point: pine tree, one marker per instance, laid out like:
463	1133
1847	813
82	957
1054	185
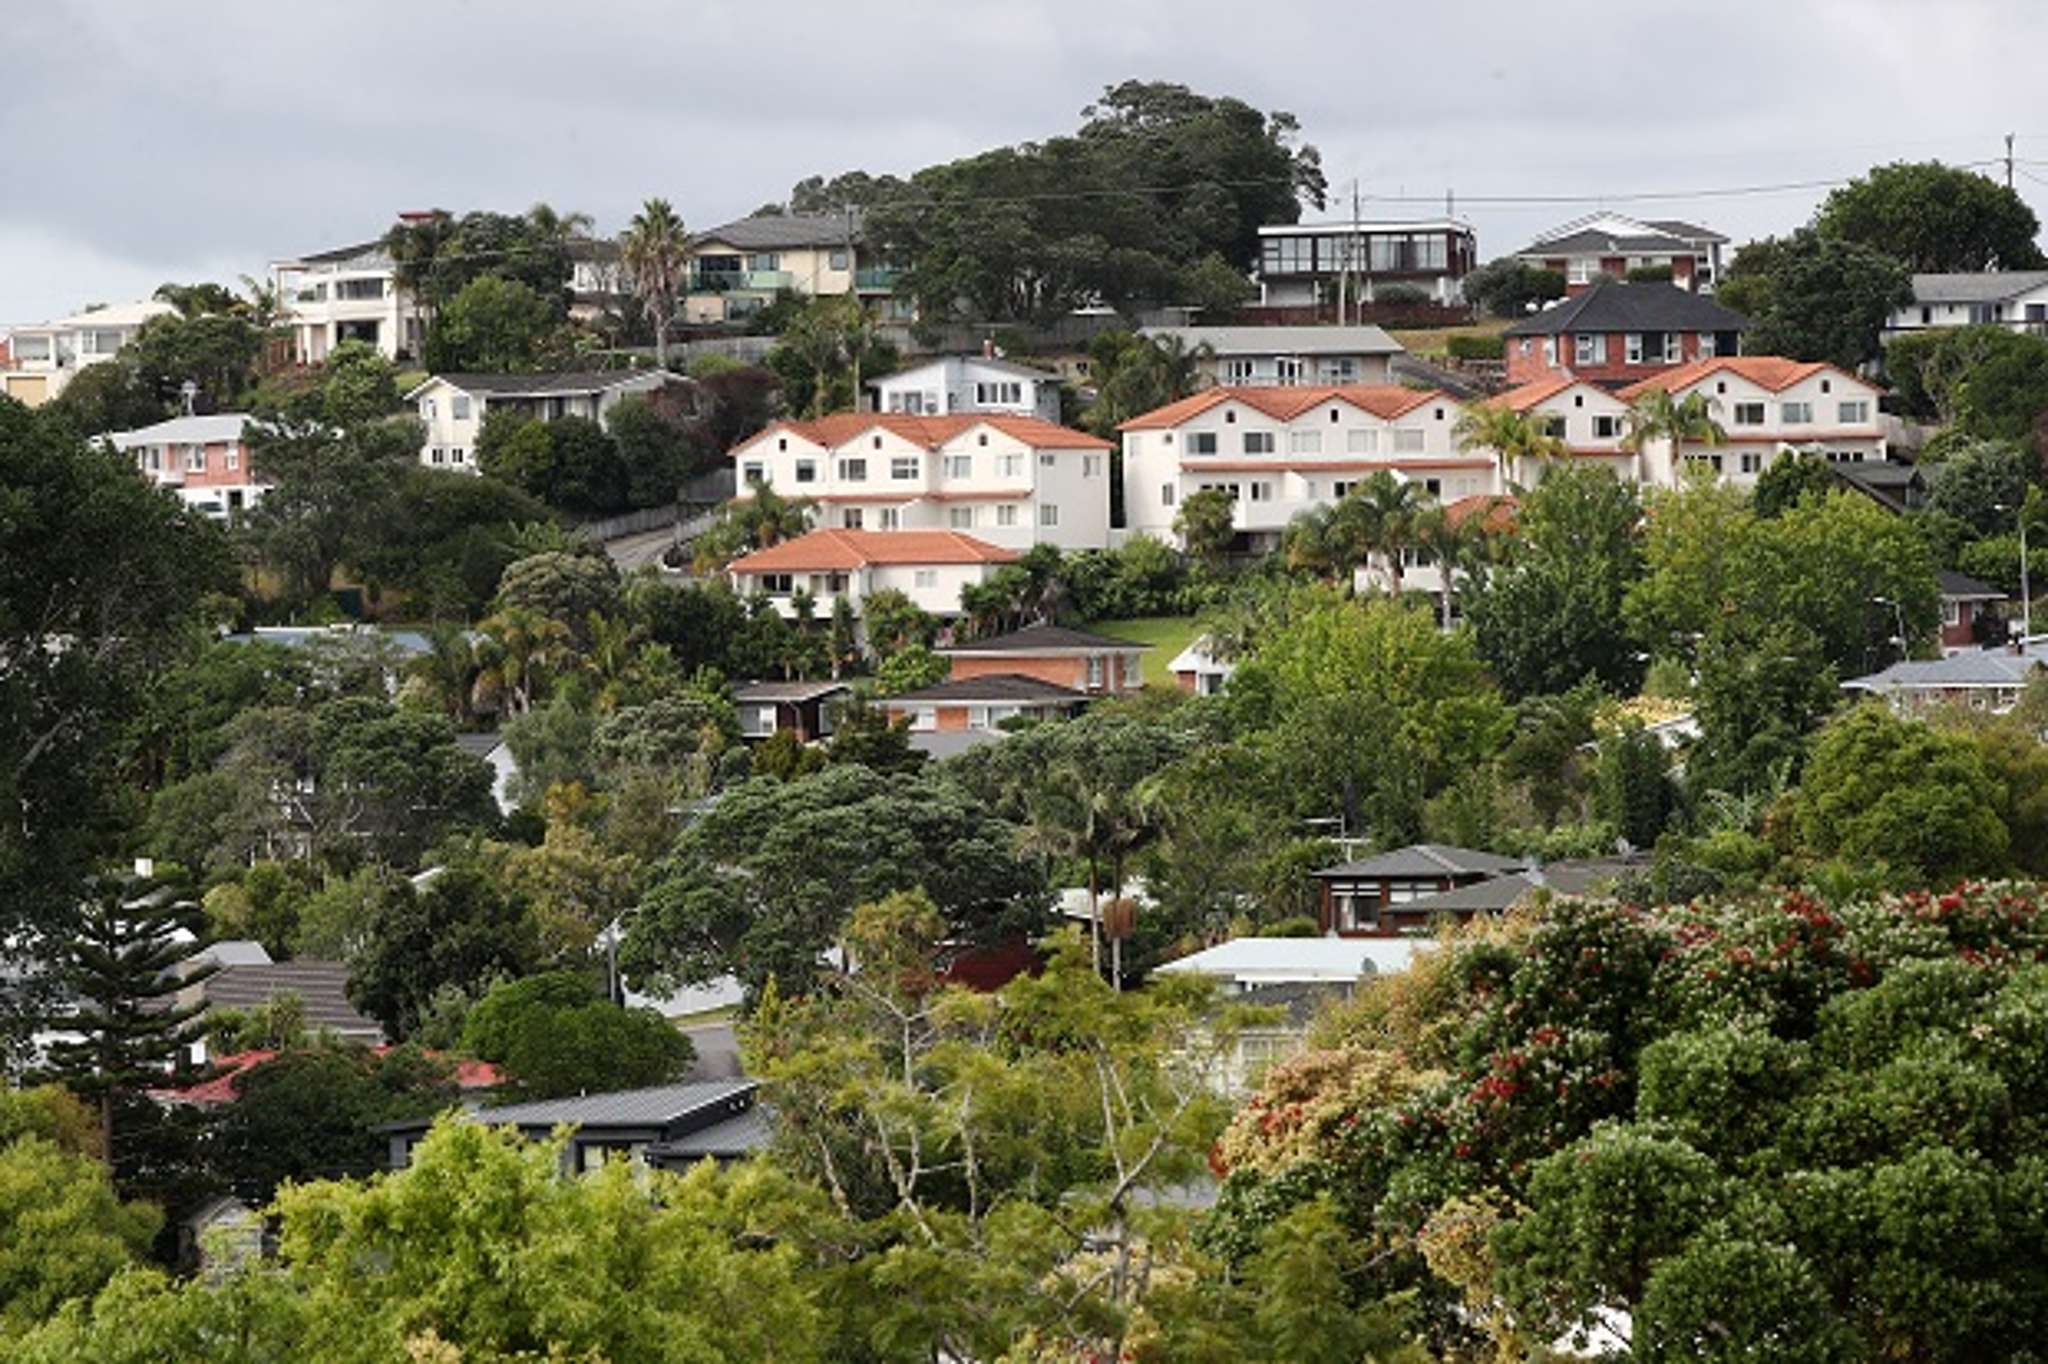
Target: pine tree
122	974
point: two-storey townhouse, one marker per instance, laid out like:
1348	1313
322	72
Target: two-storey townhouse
205	460
1281	451
1768	406
931	567
1013	481
452	407
970	383
1607	246
1301	264
2014	299
1078	660
1619	333
347	294
1590	420
43	358
1244	357
737	269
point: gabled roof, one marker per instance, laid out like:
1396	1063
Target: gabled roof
1492	511
759	692
823	551
1428	859
221	426
1961	587
568	384
1772	372
322	986
1044	639
1386	401
995	688
1506	891
1608	232
1611	306
931	433
1367	340
1983	668
113	315
655	1106
1984	286
781	231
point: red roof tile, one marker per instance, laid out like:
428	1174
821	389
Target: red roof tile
1385	401
1491	512
1773	372
840	550
837	428
1528	395
226	1083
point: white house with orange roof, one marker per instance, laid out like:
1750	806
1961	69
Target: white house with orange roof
1769	406
1013	481
1280	450
1591	421
931	567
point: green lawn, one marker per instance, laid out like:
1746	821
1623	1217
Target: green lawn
1167	635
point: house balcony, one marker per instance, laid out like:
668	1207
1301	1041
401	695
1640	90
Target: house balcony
876	280
736	281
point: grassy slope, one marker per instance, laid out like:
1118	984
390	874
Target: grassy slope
1167	635
1434	340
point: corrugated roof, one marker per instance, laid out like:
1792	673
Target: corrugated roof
1043	639
322	986
1386	401
1615	307
824	551
838	428
758	692
1984	668
656	1106
570	383
733	1139
995	688
1985	286
1963	587
1276	959
1285	340
221	426
1428	859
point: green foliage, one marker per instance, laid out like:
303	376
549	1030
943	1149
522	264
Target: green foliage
554	1036
1510	288
332	491
1476	346
490	326
1933	219
896	623
1215	288
1790	479
825	352
909	668
1815	296
307	1114
215	351
867	734
63	1231
1980	483
1134	374
1990	382
566	588
1881	791
450	538
1206	524
1633	791
460	928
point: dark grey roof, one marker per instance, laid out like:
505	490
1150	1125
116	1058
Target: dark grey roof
322	986
1428	859
1615	307
1500	893
478	745
1044	639
1689	231
786	691
657	1106
732	1139
1985	668
538	385
941	744
1987	286
772	232
1591	239
1962	587
996	687
1889	483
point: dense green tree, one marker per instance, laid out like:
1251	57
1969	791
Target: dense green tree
1790	479
867	734
450	539
1550	615
1762	688
1813	296
331	494
655	448
63	1231
555	1035
826	353
562	587
109	396
761	884
1135	374
490	326
101	579
215	352
461	928
1206	524
1511	288
1933	218
757	518
1633	789
357	384
1979	482
308	1114
1989	382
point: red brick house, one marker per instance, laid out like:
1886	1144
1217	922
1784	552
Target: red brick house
983	703
1964	601
1074	659
1615	334
1609	245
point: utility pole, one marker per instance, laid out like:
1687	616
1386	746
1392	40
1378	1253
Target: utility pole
2008	160
1352	247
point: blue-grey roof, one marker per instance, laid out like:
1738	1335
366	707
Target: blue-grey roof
657	1106
1428	859
410	642
1983	668
734	1138
1983	286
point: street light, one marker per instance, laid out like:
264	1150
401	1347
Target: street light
1898	613
2026	592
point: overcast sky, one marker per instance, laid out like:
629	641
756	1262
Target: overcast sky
144	141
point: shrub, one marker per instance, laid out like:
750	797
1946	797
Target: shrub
1476	346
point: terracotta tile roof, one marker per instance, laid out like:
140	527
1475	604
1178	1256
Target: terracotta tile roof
840	550
835	429
1772	372
1313	466
1492	513
1385	401
1528	395
225	1085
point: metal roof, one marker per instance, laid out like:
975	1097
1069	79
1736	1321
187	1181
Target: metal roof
1963	587
786	691
1612	306
1984	668
1499	893
221	426
732	1139
1984	286
1428	859
1044	639
656	1106
540	385
1275	960
1285	340
996	688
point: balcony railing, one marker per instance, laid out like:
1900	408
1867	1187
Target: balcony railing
728	281
879	279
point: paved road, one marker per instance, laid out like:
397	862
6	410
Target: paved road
634	550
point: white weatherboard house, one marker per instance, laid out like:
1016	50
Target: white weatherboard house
43	359
1011	481
2014	299
970	383
452	407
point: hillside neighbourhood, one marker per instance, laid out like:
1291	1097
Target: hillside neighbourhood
994	765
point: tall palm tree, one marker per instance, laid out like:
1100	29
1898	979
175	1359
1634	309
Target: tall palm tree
561	228
521	647
1515	438
1377	517
1450	543
1657	416
1312	541
656	253
415	245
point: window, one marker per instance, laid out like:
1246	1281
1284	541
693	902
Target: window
1201	442
1287	369
1853	410
1338	490
234	458
426	409
1606	428
1752	461
925	577
1305	442
1553	425
153	459
1342	370
1407	442
1581	271
1091	466
753	471
1006	514
888	518
1549	350
1795	414
1166	494
959	466
1589	350
1258	442
924	718
837	259
1230	419
1749	414
1048	514
1239	370
1096	671
903	466
960	518
1286	255
1827	386
458	455
32	348
458	407
1706	345
437	456
1362	442
807	471
1433	486
1262	492
1007	392
1048	461
1011	466
195	459
776	584
766	260
1714	461
853	470
851	518
1632	348
358	288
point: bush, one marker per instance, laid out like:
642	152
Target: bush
1650	274
1476	346
1395	295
